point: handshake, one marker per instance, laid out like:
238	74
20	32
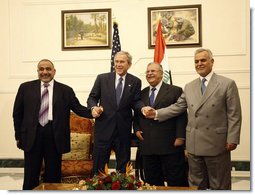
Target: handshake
149	112
97	111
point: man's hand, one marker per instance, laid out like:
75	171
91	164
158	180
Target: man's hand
148	112
139	135
97	111
18	144
178	142
231	147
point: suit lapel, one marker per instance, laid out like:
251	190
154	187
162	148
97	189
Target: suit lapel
126	91
162	91
111	87
145	96
55	92
38	94
212	86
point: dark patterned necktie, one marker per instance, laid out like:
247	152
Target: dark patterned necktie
119	90
152	96
44	109
203	87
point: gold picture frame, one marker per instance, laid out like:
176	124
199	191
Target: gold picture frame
181	25
86	29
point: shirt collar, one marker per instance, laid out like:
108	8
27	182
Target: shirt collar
51	83
157	86
118	76
207	77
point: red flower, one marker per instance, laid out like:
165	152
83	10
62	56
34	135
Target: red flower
130	186
116	185
99	187
88	179
108	179
138	184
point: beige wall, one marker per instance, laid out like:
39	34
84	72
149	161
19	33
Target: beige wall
31	30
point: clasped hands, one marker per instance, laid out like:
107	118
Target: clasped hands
148	112
97	111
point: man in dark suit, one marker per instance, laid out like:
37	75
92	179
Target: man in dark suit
48	137
162	144
114	94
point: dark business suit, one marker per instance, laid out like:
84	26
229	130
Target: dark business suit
54	137
113	127
162	160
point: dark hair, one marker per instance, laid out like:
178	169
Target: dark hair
45	60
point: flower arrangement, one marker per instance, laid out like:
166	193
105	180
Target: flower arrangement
112	181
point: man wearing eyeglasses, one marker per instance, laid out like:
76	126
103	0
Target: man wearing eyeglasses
162	144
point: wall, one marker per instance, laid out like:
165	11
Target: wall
31	30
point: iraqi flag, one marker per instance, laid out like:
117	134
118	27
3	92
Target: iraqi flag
160	55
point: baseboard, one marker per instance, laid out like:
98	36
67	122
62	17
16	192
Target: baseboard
5	163
11	163
236	165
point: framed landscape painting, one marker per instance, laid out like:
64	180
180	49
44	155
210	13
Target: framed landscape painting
86	29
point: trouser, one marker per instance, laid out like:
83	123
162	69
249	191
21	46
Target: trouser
45	149
210	172
102	152
170	168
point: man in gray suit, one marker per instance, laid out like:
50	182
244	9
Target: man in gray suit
214	123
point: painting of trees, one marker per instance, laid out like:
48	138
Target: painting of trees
86	28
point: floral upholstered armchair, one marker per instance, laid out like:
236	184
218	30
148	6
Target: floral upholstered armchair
78	163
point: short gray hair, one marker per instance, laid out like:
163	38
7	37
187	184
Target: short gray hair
210	55
125	53
160	66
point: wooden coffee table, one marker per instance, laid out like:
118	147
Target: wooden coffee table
56	186
65	186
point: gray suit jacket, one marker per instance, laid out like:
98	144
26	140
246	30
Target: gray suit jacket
214	119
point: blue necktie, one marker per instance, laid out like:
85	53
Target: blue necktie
152	96
119	90
203	87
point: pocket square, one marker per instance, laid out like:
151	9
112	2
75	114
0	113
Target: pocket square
129	85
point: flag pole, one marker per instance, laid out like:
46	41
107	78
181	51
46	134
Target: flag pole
170	76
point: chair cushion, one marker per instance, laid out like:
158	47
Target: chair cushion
76	167
79	124
80	147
